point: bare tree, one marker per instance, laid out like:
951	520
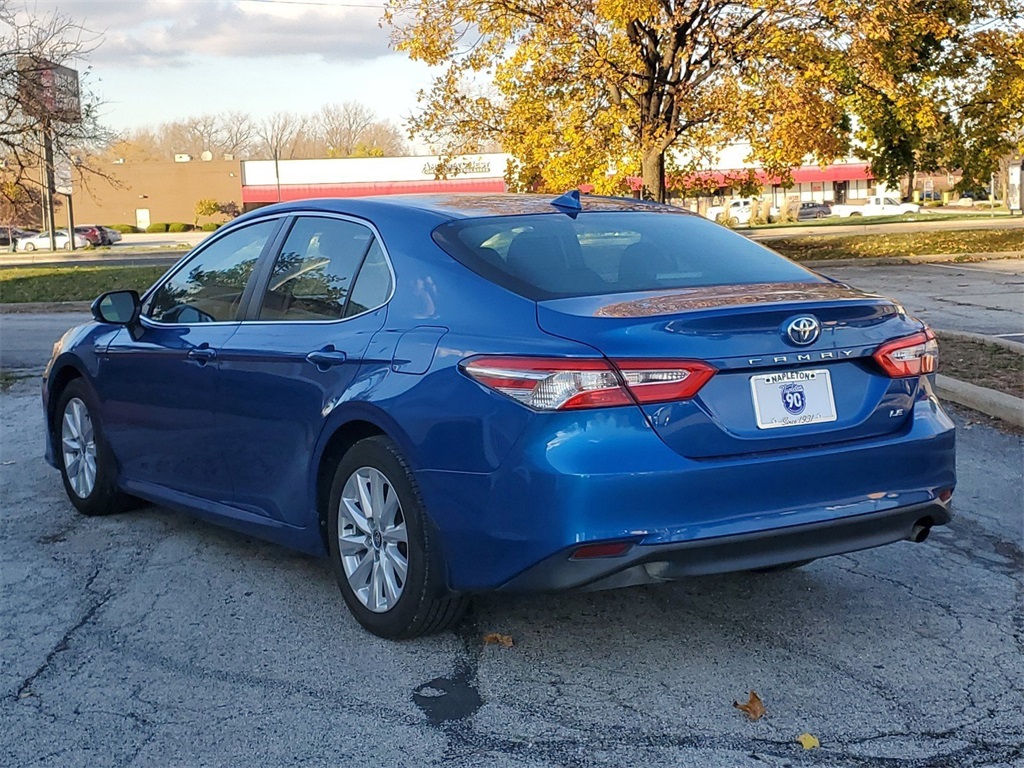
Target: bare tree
381	139
29	45
342	126
237	133
278	135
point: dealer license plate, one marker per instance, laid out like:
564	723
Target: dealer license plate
792	398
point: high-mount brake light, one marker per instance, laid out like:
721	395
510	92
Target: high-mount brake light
558	384
910	356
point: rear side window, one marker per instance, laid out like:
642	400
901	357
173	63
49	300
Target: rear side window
554	256
209	287
373	284
316	269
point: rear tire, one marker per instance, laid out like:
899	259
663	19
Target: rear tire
384	555
87	465
30	246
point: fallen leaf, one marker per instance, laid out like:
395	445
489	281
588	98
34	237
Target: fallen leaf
496	638
754	708
807	741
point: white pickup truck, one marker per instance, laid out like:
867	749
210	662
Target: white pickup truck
877	205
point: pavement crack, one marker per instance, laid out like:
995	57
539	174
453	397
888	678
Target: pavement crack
25	689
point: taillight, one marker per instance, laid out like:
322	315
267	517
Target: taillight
910	356
659	381
555	384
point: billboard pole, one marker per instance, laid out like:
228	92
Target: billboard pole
48	185
71	224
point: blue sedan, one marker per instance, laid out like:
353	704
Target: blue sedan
456	394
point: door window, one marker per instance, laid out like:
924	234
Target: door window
314	273
209	287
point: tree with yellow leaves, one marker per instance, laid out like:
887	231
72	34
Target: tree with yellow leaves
598	90
594	91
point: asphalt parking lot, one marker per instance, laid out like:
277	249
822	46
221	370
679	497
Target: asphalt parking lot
983	297
151	639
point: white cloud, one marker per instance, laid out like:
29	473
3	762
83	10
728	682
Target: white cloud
155	33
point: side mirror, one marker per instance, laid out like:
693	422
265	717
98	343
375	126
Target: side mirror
118	307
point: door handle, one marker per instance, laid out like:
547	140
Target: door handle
202	354
325	358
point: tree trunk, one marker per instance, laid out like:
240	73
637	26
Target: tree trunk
652	168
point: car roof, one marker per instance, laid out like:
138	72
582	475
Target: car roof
465	206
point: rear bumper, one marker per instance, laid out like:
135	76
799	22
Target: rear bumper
577	479
647	564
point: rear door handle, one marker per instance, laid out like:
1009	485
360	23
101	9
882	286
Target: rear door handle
325	358
202	354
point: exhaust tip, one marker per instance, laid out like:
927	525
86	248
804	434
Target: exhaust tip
920	530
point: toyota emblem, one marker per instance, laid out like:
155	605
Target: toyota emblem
803	330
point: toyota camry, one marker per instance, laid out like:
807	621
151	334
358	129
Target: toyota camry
449	395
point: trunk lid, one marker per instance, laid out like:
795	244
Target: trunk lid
742	331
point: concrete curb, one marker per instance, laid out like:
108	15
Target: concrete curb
90	258
990	402
1014	346
45	307
935	258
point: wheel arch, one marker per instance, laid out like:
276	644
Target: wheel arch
59	381
357	424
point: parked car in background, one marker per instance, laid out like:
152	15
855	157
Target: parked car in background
876	205
737	212
41	241
15	233
110	236
810	210
454	394
90	232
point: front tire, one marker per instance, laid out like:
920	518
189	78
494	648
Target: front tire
385	559
30	247
87	465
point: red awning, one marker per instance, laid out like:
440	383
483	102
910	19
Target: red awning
267	193
806	174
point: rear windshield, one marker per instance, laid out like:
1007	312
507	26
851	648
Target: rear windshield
550	256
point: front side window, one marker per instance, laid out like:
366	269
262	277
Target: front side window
314	272
209	287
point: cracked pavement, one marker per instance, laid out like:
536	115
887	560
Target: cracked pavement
152	639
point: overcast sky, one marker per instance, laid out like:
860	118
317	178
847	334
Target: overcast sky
165	59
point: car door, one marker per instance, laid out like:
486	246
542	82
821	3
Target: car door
160	381
315	308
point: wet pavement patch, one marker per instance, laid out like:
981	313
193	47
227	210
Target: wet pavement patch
444	700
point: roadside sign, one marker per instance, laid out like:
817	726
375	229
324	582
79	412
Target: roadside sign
62	183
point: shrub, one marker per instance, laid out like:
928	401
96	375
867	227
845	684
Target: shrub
157	227
179	226
124	229
931	204
211	226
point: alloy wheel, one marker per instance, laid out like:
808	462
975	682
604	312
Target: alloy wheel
373	542
78	444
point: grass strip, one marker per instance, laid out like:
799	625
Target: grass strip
986	365
77	283
835	221
899	244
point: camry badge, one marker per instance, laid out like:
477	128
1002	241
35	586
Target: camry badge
803	330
